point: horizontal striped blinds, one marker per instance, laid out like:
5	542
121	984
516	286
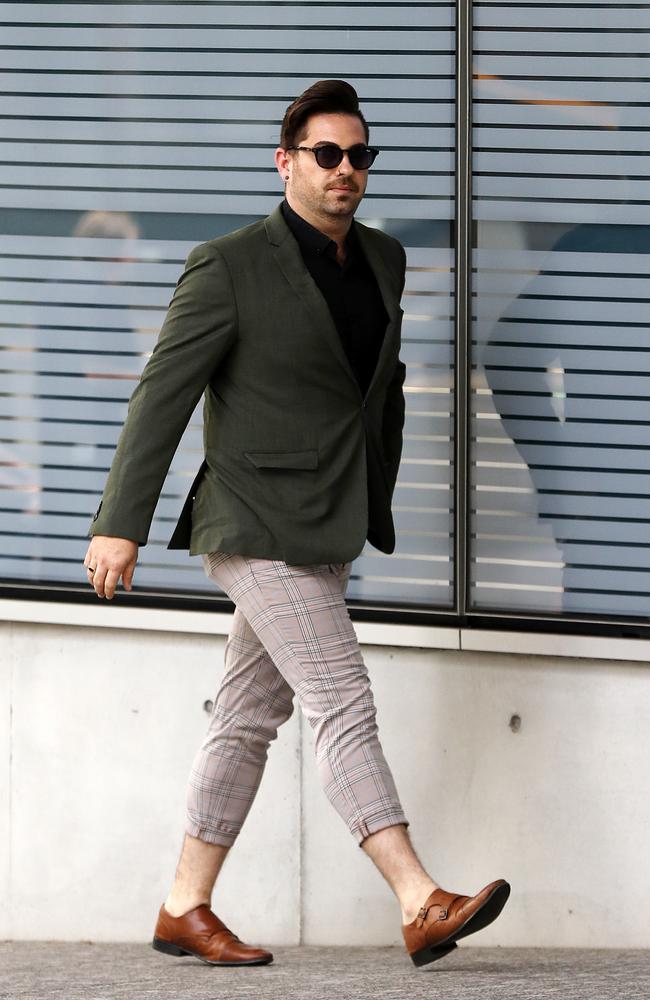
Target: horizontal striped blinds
131	132
560	406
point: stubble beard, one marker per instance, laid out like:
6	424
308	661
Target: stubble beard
322	204
339	206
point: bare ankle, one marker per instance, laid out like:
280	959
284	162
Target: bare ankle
199	865
178	905
392	852
414	899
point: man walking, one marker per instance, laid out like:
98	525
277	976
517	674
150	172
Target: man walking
291	328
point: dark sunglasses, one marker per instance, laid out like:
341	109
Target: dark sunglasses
329	155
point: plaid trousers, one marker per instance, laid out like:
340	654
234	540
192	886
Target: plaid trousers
291	634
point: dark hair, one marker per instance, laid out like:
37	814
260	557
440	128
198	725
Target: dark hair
326	96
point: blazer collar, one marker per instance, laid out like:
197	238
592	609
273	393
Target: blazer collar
278	233
289	259
385	280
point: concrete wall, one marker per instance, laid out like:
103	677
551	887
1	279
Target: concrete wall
98	728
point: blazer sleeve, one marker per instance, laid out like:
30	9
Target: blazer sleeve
394	408
200	328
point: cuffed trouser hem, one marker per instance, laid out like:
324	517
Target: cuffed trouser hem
374	826
225	838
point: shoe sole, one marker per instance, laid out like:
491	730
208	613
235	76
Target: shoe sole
167	948
488	912
426	955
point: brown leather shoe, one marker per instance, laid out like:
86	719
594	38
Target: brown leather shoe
445	917
200	933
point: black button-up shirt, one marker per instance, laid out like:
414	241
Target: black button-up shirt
350	291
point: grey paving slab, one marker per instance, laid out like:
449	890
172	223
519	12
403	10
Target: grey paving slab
49	971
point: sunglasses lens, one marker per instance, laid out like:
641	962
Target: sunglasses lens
328	156
361	157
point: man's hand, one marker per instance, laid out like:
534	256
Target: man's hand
108	559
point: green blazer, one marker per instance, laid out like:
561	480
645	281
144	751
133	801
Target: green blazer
298	465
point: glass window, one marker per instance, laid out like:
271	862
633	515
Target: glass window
561	460
134	131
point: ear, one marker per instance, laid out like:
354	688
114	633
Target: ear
282	163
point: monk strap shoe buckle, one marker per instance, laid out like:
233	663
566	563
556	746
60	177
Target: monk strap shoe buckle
422	914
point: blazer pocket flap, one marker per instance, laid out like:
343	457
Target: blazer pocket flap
283	459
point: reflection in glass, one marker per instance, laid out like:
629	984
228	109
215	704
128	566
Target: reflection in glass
560	454
127	145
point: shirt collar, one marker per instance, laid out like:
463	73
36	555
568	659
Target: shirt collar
311	239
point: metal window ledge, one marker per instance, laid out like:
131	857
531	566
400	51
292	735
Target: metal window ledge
105	615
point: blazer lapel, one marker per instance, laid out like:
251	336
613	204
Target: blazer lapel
389	293
385	279
289	259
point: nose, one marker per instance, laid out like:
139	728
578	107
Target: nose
345	167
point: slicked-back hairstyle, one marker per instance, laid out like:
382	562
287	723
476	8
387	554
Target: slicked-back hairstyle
323	97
